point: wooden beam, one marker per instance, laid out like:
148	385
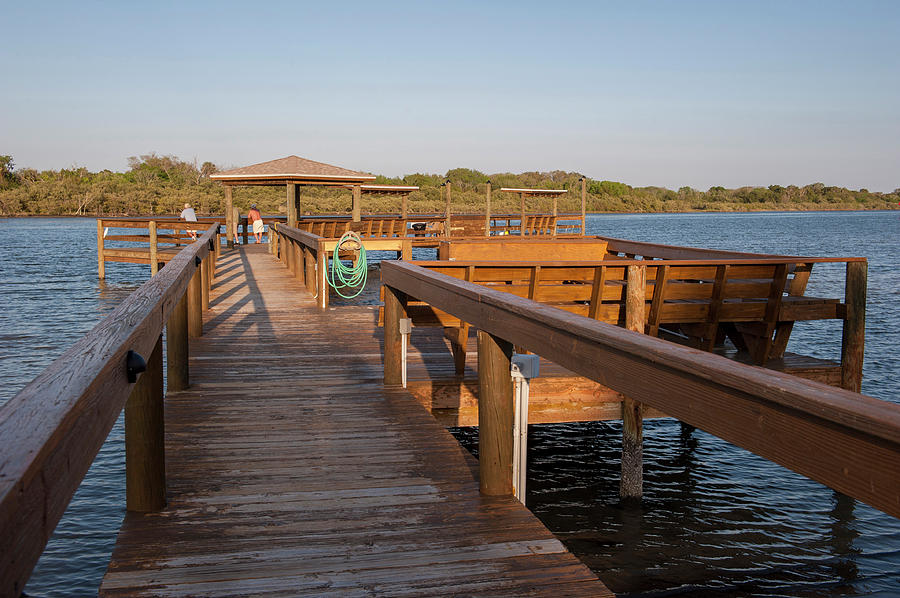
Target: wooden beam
101	265
495	415
357	208
291	203
394	311
522	221
853	337
487	211
447	210
583	206
404	206
229	217
631	484
177	352
204	284
145	460
195	305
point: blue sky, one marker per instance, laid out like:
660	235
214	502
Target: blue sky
649	93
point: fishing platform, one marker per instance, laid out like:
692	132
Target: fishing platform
298	447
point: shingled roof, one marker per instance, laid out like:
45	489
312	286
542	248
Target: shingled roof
291	169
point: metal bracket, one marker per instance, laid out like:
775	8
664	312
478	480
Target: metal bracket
525	366
134	365
522	368
405	331
197	260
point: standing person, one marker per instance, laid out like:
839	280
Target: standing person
189	215
256	220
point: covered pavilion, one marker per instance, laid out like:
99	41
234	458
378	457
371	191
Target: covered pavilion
294	171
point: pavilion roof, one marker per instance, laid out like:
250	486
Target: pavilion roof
292	169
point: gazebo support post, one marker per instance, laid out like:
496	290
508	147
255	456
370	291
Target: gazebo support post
404	206
291	204
229	223
357	211
487	211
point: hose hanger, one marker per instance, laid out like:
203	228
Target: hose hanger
348	277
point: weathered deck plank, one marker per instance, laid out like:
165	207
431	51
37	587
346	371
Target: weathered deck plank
292	471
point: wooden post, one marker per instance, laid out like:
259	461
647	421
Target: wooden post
154	249
310	266
229	217
555	203
204	284
357	199
447	211
195	308
583	206
297	259
487	211
853	338
632	481
406	250
101	264
244	231
321	279
404	207
145	460
291	201
522	221
235	220
394	311
178	372
495	415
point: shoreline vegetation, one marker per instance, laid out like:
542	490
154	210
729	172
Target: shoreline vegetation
161	185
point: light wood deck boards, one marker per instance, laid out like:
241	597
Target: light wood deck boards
292	471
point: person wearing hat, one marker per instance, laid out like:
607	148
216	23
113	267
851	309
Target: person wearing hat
256	222
189	215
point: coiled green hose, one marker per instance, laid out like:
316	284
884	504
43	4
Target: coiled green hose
343	277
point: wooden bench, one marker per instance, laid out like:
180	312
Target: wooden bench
701	303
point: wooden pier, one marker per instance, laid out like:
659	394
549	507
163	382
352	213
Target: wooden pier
286	456
292	470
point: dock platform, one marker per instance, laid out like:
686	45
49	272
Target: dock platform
292	470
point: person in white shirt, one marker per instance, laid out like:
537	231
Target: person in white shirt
189	215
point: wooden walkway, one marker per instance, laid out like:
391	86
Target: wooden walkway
292	471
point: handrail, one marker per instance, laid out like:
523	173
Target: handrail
54	427
847	441
619	262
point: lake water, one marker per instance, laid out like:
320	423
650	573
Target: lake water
715	520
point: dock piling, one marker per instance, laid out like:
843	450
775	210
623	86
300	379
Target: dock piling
495	415
145	465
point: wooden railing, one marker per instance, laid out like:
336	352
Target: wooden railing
307	255
52	430
753	302
847	441
460	225
161	242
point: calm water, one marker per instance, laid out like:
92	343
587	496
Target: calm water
715	520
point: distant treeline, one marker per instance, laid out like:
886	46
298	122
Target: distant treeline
157	184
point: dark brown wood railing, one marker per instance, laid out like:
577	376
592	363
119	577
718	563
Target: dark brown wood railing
754	302
847	441
52	430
